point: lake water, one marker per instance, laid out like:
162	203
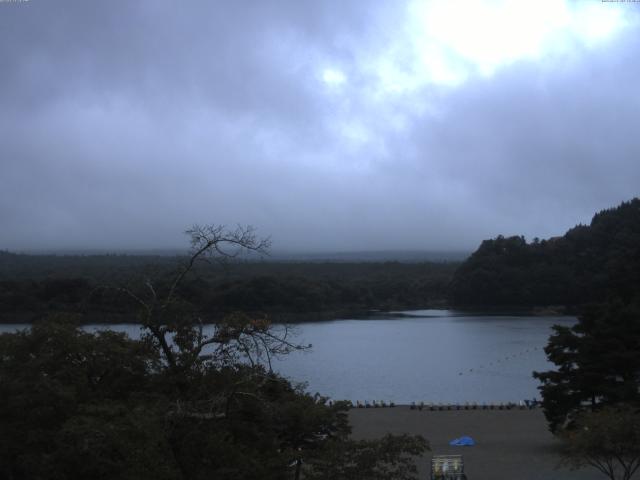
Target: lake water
424	355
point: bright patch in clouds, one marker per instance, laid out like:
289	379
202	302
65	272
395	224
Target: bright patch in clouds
436	43
594	22
332	76
446	41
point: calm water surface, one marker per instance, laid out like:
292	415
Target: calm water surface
425	355
431	356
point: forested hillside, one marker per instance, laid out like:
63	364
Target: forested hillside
35	286
590	263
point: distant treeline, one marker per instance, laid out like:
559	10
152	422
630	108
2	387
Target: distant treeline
590	263
35	286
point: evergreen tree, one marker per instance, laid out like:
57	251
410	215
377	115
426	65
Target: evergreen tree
598	363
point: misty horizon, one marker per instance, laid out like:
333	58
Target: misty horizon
273	255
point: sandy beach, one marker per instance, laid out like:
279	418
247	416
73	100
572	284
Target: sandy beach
511	444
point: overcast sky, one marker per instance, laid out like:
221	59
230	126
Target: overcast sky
329	125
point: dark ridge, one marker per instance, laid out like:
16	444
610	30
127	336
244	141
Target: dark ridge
589	263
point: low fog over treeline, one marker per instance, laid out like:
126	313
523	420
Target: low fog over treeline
589	263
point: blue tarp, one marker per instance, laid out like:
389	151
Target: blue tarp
463	442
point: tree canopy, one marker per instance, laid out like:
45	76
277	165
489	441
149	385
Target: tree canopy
597	360
588	264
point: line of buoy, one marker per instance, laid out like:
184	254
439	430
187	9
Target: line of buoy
508	357
521	405
373	404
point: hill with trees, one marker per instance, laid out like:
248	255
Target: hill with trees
33	286
589	263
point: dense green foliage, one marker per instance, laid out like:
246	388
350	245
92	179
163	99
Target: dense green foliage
76	405
32	286
598	363
608	440
79	405
587	264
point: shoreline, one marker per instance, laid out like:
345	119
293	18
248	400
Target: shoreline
304	317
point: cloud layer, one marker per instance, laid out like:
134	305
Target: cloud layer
329	127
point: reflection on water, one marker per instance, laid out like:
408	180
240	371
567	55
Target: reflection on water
425	355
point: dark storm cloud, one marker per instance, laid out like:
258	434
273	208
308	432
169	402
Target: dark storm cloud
125	122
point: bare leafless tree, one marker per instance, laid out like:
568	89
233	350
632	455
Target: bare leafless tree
181	338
